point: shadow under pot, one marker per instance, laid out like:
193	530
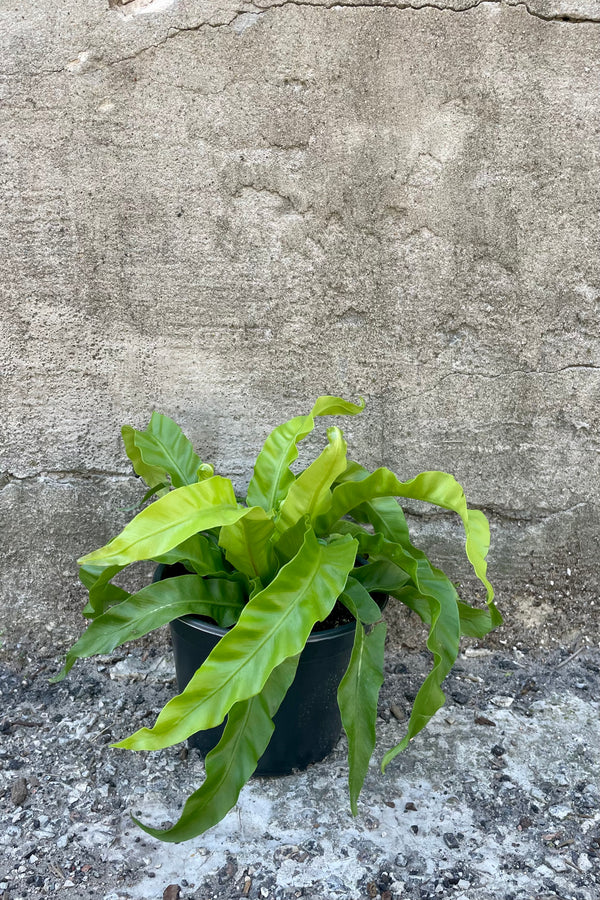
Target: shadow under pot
308	723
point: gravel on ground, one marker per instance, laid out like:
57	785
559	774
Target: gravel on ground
498	799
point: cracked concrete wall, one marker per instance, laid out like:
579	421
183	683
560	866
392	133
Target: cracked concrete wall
223	211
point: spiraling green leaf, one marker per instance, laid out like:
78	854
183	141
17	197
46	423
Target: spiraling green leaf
381	576
438	488
310	494
102	594
171	520
162	448
273	625
247	544
474	622
153	606
272	475
357	700
231	763
444	634
386	517
288	544
152	475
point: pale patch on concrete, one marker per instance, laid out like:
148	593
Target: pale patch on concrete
128	8
76	65
245	21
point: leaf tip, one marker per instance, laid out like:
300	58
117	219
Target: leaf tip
125	744
139	741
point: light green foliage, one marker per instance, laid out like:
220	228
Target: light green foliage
161	450
268	571
272	476
248	546
169	521
274	625
231	763
199	554
155	605
357	699
102	593
310	494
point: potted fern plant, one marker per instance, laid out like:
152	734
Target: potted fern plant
253	588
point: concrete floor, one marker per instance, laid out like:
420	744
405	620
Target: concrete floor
498	798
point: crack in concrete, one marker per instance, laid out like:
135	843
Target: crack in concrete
441	7
41	73
528	516
493	376
260	10
172	32
517	516
9	478
403	5
569	368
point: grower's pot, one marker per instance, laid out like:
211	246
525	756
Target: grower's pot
308	723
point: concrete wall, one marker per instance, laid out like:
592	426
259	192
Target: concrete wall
222	211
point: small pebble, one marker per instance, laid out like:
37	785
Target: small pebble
503	702
556	863
460	697
171	892
483	720
18	792
560	812
397	712
451	841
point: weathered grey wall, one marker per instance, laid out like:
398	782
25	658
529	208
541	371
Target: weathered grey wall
223	210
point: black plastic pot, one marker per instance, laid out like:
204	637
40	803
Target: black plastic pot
308	723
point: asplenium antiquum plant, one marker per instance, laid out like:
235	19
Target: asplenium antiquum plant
271	568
